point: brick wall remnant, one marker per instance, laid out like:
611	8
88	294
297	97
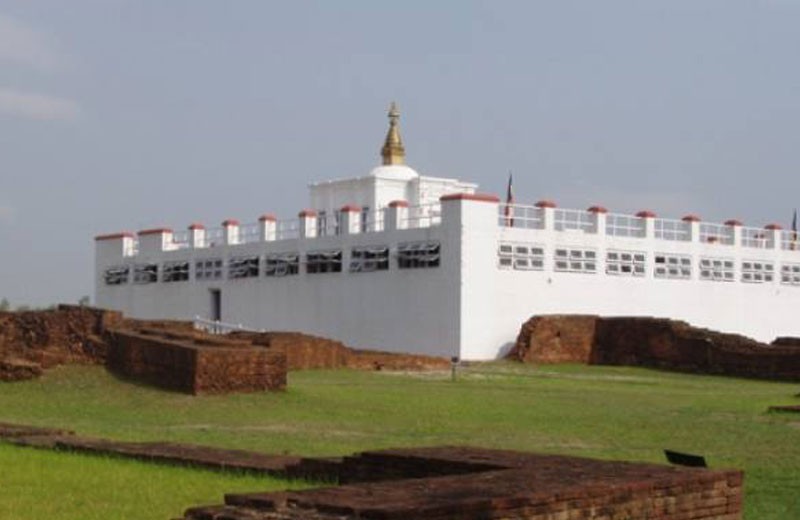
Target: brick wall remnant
653	342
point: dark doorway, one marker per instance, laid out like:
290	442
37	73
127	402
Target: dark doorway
216	304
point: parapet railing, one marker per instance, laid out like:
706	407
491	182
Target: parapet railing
423	216
596	220
220	327
309	224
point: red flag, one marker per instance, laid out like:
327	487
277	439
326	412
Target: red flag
509	201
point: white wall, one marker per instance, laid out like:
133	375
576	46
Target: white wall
503	299
400	310
467	306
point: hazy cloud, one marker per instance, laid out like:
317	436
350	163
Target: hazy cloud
36	106
22	45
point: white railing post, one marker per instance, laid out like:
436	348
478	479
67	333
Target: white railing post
735	231
308	223
350	220
693	222
599	218
648	223
230	230
395	216
548	208
267	228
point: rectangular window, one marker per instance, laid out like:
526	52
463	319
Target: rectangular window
717	269
145	273
116	275
414	255
757	271
283	264
243	267
366	259
209	269
676	267
324	262
790	274
525	257
175	271
574	260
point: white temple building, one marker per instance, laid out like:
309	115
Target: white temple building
397	261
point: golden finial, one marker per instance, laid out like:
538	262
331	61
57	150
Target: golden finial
393	151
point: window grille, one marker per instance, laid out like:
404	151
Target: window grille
524	257
116	275
283	264
625	263
413	255
175	271
676	267
757	271
717	269
145	273
324	262
243	267
790	274
209	269
367	259
575	260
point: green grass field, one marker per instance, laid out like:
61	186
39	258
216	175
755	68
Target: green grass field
603	412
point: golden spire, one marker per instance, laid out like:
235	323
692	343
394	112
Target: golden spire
393	151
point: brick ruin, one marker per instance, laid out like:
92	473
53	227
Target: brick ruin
173	355
472	483
435	483
653	342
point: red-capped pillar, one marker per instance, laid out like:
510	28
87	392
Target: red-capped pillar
774	234
155	240
693	226
599	217
734	231
308	223
230	232
267	228
548	213
350	220
395	215
197	235
648	223
115	245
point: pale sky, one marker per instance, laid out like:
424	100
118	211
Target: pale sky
128	114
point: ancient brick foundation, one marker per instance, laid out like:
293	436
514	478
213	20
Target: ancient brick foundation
653	342
33	341
304	352
187	364
436	483
473	483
